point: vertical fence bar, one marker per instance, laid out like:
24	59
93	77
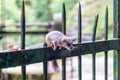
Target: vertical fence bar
64	31
115	68
106	38
79	41
2	22
23	37
3	19
72	69
94	54
116	35
45	66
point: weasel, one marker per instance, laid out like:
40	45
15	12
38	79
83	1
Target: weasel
56	39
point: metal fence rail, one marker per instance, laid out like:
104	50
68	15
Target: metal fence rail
24	57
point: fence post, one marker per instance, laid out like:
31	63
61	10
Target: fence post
79	41
23	67
64	32
116	35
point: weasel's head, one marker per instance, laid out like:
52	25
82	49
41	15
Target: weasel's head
67	40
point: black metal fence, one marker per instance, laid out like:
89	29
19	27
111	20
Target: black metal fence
24	57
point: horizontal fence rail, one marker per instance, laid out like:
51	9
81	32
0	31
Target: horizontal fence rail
25	57
40	24
27	32
46	25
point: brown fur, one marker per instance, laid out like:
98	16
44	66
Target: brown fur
56	39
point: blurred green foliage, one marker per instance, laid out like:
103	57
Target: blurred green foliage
89	9
43	11
36	10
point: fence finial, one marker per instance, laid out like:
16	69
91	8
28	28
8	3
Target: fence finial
95	27
79	23
63	19
106	23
